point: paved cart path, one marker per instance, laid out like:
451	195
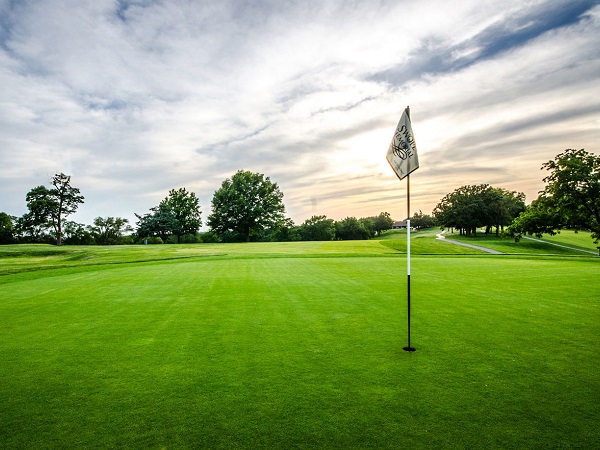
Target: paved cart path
560	245
476	247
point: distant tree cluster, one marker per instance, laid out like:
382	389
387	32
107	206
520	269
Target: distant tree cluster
46	219
322	228
7	229
352	228
245	205
476	206
177	217
249	207
421	221
570	200
48	209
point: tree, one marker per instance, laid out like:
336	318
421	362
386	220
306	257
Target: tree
369	224
185	209
464	209
537	219
245	205
317	228
571	198
48	208
376	224
110	230
283	231
67	200
178	215
7	229
36	222
502	206
29	229
77	234
351	228
159	222
383	222
420	220
481	205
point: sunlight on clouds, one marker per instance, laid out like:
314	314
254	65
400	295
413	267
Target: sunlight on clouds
364	153
170	94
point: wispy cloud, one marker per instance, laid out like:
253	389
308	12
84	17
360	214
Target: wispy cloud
133	98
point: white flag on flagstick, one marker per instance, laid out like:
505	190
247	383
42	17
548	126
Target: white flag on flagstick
402	154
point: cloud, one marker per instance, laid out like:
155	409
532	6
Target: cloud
133	98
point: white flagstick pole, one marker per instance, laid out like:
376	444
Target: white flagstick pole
402	156
408	348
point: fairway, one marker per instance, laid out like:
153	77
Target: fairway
297	346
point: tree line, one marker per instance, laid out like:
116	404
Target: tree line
471	207
249	207
569	200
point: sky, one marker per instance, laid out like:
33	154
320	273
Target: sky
132	98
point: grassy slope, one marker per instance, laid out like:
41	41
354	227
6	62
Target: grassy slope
508	245
581	239
424	242
23	258
253	349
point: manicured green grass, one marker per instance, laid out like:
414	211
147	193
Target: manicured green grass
581	239
298	346
508	245
22	258
423	242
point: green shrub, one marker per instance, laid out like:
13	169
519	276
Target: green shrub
190	239
209	237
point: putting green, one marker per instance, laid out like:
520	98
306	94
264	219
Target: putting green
264	350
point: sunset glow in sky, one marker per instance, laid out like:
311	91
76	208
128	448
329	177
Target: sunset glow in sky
133	98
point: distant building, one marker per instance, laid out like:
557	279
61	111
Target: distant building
398	225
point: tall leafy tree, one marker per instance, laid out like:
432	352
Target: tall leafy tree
481	205
420	220
48	208
159	222
465	209
383	222
317	228
571	198
185	209
77	234
67	198
351	228
177	214
245	205
7	229
283	231
28	228
369	224
502	207
538	219
376	224
36	221
109	230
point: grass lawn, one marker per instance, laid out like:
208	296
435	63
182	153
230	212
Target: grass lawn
564	239
296	346
581	239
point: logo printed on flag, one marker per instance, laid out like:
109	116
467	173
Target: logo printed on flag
402	154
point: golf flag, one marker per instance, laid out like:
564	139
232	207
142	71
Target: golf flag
402	154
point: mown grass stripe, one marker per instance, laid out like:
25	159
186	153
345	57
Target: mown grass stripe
302	352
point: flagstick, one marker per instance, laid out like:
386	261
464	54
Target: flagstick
408	348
